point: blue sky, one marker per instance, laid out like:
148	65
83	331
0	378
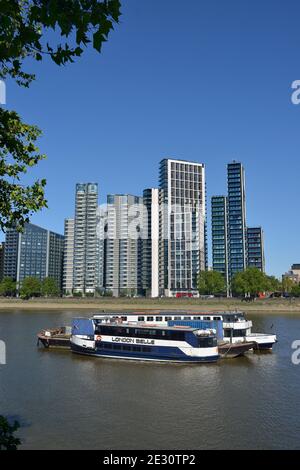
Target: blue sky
206	80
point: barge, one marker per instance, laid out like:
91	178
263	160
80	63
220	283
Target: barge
55	337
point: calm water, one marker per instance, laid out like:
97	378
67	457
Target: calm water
67	401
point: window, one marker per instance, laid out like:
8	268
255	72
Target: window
150	318
158	318
168	318
124	318
126	348
141	318
146	349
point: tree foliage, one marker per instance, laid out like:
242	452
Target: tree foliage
30	287
211	282
251	281
33	29
18	153
287	285
7	439
8	287
49	287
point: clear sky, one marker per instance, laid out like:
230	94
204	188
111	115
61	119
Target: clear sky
206	80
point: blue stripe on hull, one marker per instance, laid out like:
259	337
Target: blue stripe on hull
134	355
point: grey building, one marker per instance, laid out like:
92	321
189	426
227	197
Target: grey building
236	218
100	247
255	248
68	256
123	245
182	226
219	235
84	272
150	243
35	252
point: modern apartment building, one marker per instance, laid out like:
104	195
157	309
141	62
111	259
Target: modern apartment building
86	203
34	252
255	248
2	247
182	248
219	228
237	254
68	256
100	247
150	255
123	245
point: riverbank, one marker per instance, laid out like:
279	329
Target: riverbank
121	304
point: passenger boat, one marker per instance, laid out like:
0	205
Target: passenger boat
112	338
236	329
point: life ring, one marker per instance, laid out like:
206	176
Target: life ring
98	338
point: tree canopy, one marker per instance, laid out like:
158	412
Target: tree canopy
34	29
251	281
8	441
211	282
49	287
30	287
8	287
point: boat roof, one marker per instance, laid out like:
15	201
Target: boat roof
156	327
165	313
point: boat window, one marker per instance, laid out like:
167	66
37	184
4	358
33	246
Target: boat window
124	318
196	318
207	342
146	349
150	318
228	333
136	348
217	318
158	318
141	318
206	318
187	318
177	318
168	318
108	346
126	348
116	346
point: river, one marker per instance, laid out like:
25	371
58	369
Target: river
66	401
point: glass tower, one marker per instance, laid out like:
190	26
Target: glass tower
236	218
219	235
255	248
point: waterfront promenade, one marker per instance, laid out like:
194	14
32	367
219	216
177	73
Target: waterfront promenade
111	304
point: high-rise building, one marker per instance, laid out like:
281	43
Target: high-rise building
255	248
2	247
35	252
236	218
86	203
68	256
123	244
11	254
100	247
219	235
182	226
150	256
